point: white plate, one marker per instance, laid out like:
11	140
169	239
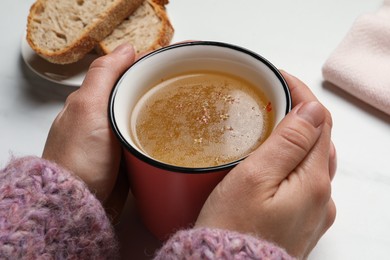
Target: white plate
69	74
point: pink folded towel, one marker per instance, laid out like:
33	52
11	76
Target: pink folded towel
361	63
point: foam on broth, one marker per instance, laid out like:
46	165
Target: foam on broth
201	119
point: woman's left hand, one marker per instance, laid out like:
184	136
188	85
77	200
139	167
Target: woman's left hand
80	138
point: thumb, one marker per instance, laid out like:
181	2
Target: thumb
289	143
105	71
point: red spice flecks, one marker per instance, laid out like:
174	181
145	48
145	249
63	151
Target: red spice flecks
268	107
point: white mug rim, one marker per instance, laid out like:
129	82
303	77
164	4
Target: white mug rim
182	169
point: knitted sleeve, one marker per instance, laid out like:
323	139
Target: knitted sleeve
205	243
47	213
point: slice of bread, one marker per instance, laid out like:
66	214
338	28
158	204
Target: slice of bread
63	31
147	29
161	2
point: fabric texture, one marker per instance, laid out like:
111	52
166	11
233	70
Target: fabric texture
360	65
48	213
205	243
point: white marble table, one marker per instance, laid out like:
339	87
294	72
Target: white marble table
295	35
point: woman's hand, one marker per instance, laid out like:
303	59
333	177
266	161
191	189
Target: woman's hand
282	191
80	138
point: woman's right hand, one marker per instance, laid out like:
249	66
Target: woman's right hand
282	191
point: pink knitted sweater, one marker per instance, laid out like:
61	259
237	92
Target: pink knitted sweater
48	213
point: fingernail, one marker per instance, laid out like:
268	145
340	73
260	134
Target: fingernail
312	112
124	48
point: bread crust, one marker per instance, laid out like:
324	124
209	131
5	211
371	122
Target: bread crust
87	40
165	33
161	2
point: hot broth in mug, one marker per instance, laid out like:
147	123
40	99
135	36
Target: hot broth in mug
201	119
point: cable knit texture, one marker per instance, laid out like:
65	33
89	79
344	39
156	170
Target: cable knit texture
204	243
47	213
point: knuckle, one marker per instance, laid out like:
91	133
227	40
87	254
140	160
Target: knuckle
251	175
331	214
75	103
296	139
102	63
246	171
321	192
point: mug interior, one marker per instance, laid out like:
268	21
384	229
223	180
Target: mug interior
188	57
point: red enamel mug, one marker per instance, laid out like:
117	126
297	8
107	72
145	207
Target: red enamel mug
170	197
